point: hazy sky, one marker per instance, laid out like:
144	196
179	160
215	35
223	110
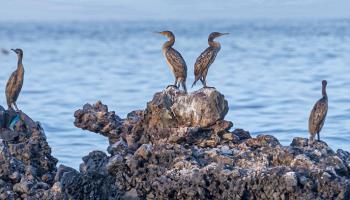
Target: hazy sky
170	9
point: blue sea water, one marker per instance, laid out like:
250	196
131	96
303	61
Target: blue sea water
269	71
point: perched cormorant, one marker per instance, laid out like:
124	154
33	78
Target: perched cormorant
318	115
206	58
174	59
15	82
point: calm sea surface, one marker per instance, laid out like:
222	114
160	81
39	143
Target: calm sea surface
269	71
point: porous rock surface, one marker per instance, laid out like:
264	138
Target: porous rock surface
175	149
27	168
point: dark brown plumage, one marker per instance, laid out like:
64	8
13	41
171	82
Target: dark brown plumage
174	60
206	58
318	115
15	82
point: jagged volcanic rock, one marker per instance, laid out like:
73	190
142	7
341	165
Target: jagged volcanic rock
26	165
175	149
171	117
96	118
167	152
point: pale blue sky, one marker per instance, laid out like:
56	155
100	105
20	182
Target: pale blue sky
43	10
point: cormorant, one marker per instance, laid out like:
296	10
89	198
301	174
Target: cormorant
175	61
318	115
15	82
206	58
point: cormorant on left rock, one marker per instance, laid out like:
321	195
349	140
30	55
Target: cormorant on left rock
15	82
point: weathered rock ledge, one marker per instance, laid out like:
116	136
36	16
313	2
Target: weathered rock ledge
179	147
27	169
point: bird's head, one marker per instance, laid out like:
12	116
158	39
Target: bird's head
216	34
168	34
18	51
324	83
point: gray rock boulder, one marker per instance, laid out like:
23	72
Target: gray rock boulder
172	108
201	108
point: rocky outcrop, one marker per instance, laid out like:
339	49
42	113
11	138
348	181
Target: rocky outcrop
26	165
92	182
28	170
179	147
171	117
97	119
256	168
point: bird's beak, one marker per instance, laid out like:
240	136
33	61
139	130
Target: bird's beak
224	34
13	50
156	32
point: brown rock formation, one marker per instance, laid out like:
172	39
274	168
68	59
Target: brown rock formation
174	149
26	165
171	117
180	147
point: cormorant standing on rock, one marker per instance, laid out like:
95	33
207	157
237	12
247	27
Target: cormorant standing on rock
15	82
174	59
206	58
318	115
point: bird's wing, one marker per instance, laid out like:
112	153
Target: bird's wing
18	89
318	115
10	85
203	62
177	62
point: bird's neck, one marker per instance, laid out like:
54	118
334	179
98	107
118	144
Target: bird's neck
169	43
212	43
324	92
19	63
